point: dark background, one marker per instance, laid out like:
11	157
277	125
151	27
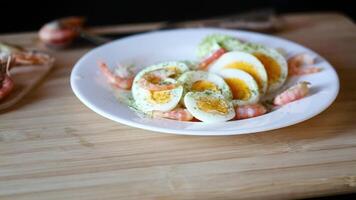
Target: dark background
30	15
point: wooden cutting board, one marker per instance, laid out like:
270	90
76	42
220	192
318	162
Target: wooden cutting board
53	147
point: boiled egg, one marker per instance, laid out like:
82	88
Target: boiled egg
209	106
164	100
242	85
199	81
274	63
245	62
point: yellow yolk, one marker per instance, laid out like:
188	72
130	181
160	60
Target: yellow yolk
244	66
238	88
161	97
152	78
212	105
271	66
202	85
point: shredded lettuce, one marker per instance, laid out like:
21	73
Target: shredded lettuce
213	42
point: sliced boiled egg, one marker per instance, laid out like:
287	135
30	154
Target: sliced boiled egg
242	85
209	106
199	81
163	100
274	63
245	62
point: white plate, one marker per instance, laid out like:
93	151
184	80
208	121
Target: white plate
92	89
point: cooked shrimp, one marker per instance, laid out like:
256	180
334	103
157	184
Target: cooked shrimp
294	93
304	70
179	114
22	57
7	86
114	79
296	63
62	31
215	55
6	83
31	58
248	111
154	81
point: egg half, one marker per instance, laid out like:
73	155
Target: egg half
209	106
245	62
275	64
242	85
199	81
164	100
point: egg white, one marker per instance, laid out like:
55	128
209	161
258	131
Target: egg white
189	78
143	97
248	81
144	102
191	99
239	56
276	57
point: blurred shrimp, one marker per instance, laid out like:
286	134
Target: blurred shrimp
6	83
154	80
214	56
296	63
179	114
122	82
294	93
61	32
24	57
249	111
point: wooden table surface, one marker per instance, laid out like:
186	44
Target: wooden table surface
53	147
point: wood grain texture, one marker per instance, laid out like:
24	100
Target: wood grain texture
53	147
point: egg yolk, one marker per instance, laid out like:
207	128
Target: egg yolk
271	66
161	97
172	71
247	67
212	105
238	88
202	85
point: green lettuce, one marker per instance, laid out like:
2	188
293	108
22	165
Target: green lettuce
213	42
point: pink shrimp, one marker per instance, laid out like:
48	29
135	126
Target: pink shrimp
179	114
215	55
24	57
6	83
249	111
294	93
296	62
115	80
61	32
7	86
153	81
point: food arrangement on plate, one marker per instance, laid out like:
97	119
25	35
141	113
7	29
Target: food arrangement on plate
232	80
